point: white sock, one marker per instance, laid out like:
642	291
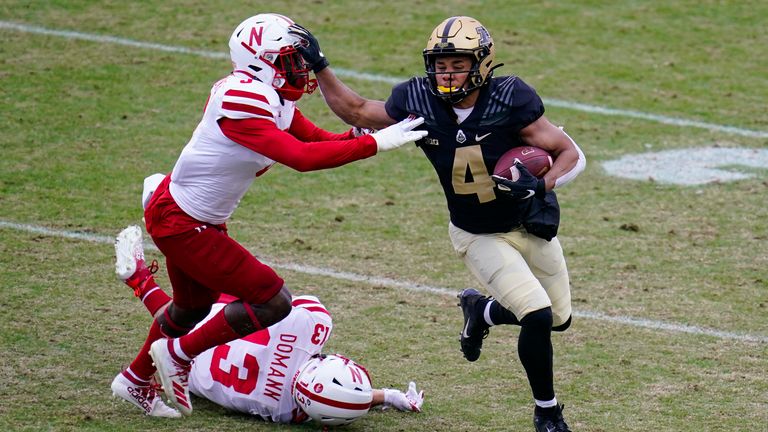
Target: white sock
546	404
180	352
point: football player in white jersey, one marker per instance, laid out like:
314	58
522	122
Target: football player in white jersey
249	123
277	373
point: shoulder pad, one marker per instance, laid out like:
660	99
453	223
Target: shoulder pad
511	99
310	303
249	98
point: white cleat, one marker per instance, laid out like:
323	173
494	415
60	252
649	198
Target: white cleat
129	251
145	398
173	375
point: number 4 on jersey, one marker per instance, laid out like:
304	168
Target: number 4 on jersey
471	159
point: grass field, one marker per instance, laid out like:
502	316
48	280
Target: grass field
669	282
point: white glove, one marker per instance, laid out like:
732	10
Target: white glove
398	134
411	400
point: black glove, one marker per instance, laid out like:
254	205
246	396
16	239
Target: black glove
525	187
309	48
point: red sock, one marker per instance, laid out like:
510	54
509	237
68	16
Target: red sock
215	331
154	299
142	364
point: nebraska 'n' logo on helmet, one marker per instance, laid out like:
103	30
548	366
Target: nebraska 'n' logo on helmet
256	34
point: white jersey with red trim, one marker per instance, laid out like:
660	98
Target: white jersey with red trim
213	172
254	374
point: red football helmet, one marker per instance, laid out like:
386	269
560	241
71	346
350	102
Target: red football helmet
262	48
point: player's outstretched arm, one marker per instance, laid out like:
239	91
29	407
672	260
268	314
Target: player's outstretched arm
411	400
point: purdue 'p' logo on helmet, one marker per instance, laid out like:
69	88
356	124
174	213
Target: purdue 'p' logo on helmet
460	36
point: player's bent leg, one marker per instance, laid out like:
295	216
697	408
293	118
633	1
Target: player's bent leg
547	263
246	318
562	327
176	321
173	372
172	365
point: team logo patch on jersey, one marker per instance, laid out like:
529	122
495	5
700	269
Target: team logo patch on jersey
460	137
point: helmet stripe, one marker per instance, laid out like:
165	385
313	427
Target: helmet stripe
447	29
334	403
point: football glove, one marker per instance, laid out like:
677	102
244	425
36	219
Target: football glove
525	187
398	134
309	48
411	400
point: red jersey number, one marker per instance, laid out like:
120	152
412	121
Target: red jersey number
320	335
224	371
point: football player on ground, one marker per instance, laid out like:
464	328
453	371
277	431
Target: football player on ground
250	122
505	231
277	373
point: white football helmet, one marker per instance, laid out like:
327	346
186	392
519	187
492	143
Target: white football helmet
333	390
262	48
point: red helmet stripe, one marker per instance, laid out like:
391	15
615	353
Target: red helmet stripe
246	46
334	403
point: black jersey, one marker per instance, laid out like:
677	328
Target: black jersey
464	154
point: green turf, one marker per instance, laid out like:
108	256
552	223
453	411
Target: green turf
82	122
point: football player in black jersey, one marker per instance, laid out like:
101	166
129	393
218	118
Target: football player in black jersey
504	231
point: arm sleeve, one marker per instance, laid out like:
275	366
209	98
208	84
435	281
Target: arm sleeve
263	137
303	129
576	170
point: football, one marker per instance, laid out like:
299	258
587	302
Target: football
538	161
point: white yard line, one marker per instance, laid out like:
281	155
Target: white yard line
674	121
410	286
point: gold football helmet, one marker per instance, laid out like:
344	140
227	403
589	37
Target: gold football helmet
460	35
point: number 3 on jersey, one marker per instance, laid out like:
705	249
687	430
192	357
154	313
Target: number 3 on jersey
241	379
471	159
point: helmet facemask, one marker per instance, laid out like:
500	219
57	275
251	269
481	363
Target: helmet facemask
460	36
291	78
453	95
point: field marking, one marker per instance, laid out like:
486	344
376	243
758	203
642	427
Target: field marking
593	109
411	286
693	166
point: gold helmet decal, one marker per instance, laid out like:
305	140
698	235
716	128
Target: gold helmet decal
461	35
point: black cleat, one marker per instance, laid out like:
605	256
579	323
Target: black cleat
475	328
550	422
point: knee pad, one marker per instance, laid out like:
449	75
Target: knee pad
541	318
564	326
246	318
175	321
